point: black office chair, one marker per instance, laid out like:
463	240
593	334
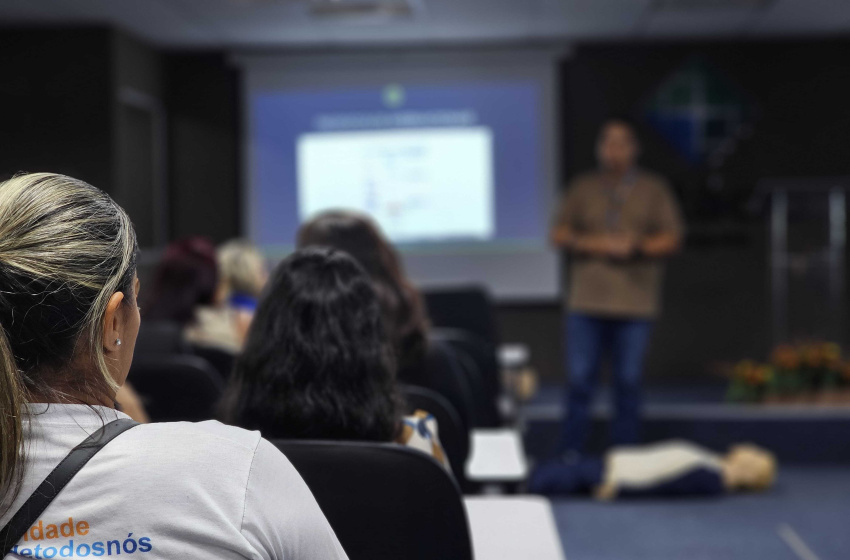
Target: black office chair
441	372
384	501
160	337
222	360
450	430
469	308
176	387
483	372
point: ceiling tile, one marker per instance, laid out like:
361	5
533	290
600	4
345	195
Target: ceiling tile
270	23
804	16
697	23
40	10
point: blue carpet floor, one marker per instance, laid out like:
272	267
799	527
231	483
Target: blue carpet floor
813	501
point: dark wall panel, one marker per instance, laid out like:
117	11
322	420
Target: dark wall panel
55	103
717	292
203	145
797	90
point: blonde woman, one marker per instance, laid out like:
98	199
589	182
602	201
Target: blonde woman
68	290
243	274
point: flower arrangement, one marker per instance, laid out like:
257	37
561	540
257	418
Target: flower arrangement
809	372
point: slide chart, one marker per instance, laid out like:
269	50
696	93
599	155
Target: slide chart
420	185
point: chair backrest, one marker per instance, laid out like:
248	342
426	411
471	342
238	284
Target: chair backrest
176	387
465	307
384	501
222	360
441	372
160	337
450	430
484	373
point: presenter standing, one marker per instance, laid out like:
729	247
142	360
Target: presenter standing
617	225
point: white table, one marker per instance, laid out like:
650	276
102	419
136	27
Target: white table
513	528
496	455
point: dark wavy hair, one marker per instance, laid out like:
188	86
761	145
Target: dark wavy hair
401	303
316	363
186	277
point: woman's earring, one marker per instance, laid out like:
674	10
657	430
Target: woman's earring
117	342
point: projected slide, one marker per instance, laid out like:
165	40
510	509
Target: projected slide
418	184
448	165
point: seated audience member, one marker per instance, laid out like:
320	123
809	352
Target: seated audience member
401	304
671	468
186	291
243	275
317	364
402	307
68	292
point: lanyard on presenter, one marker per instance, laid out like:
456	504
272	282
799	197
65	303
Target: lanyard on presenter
618	193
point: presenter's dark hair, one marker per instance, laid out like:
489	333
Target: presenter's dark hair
186	278
401	304
623	120
316	362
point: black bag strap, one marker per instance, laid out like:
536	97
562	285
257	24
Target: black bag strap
58	478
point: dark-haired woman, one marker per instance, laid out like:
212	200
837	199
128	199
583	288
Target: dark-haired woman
401	304
317	363
402	307
68	326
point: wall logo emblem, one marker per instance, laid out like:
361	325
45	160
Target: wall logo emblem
698	111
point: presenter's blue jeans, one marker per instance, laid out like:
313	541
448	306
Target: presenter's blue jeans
589	339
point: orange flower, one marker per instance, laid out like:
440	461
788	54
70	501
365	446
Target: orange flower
812	355
744	368
831	355
759	375
785	356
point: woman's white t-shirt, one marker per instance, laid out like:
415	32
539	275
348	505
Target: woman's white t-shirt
171	490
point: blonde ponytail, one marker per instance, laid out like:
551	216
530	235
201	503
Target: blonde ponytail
65	249
11	427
